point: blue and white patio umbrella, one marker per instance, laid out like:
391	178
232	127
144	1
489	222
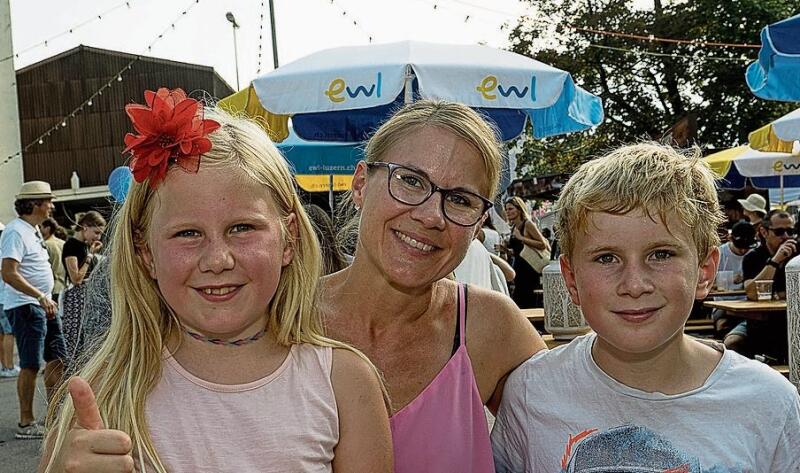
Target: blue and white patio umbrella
776	74
344	94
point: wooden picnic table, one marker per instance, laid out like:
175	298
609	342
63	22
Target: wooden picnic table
534	315
752	310
738	292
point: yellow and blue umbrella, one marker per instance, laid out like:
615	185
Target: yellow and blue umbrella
776	74
765	170
344	94
779	136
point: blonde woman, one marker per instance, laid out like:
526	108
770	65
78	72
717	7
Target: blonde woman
445	349
524	233
215	359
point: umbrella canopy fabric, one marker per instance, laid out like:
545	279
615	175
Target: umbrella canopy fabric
246	102
320	157
735	165
343	94
778	136
776	74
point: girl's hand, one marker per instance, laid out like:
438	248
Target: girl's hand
89	446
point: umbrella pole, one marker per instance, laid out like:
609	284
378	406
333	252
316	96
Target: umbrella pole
781	190
408	95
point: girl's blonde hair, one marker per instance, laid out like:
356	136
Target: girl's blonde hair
127	365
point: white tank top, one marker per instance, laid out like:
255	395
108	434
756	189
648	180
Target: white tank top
284	422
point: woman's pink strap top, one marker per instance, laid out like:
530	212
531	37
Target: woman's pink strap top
444	429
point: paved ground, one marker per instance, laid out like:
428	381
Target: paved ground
17	456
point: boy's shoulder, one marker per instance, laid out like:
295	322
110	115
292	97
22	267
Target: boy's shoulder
546	369
746	375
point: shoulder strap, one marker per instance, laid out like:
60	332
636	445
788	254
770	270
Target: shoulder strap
461	318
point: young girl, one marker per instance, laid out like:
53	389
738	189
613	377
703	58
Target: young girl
79	258
215	359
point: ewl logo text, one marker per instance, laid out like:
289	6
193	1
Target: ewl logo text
490	84
338	90
781	166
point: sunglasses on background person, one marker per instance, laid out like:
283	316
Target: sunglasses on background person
779	232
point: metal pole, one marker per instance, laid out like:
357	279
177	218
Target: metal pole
229	16
236	57
274	35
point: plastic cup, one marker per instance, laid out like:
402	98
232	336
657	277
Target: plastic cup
725	280
764	289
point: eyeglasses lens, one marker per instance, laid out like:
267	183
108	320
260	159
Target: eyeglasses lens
413	188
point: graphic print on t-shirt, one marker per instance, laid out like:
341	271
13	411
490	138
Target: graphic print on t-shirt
628	449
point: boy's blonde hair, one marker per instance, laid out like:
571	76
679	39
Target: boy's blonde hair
650	177
127	365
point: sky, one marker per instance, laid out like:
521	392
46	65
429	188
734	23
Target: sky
204	36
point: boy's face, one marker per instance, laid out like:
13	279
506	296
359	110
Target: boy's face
635	281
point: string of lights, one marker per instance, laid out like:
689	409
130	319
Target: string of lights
649	38
652	38
672	55
71	30
355	22
89	102
260	37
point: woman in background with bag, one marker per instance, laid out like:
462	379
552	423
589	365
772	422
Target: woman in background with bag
530	249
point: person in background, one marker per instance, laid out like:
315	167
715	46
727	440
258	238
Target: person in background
428	179
524	233
754	208
55	246
8	370
766	262
28	303
332	258
731	255
488	235
80	256
638	234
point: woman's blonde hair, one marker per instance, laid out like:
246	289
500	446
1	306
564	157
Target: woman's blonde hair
454	117
654	178
127	365
521	207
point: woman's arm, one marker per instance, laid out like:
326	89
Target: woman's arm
75	273
508	271
365	442
499	338
534	238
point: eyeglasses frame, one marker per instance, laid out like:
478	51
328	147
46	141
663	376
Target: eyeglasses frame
487	204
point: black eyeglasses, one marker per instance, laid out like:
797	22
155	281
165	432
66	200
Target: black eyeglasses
779	232
413	187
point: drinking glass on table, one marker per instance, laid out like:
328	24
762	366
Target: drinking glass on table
764	290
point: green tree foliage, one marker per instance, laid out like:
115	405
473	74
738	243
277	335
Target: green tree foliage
644	94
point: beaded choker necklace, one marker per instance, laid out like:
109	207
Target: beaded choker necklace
230	343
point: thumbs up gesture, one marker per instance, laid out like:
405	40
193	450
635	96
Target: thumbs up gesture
89	446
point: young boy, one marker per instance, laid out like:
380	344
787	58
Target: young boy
639	245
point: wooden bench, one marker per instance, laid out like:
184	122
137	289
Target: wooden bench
782	369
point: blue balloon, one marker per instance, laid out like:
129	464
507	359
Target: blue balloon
119	181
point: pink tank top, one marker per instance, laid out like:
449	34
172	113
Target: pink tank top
284	422
444	429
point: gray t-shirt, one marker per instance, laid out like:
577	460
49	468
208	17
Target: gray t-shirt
562	413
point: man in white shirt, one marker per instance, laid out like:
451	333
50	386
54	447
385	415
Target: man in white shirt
27	301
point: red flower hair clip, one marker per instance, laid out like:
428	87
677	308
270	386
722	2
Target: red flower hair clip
171	129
